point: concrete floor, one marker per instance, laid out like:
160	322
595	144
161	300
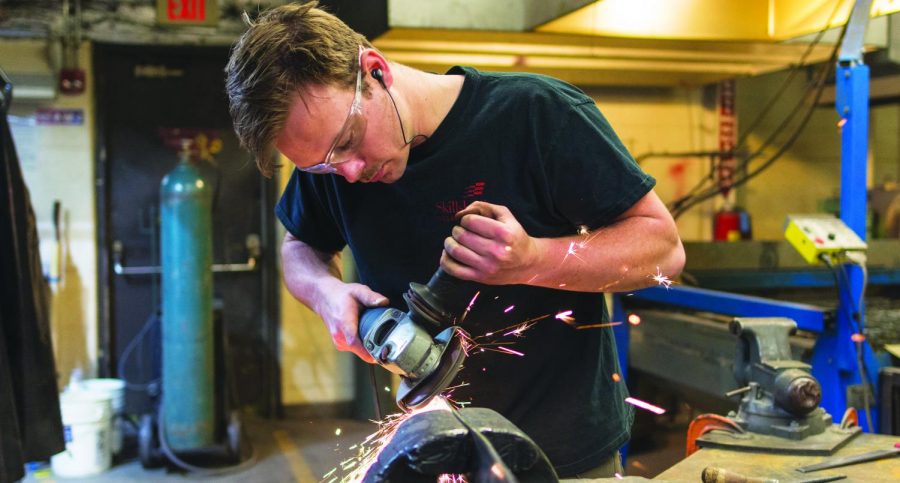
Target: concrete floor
305	450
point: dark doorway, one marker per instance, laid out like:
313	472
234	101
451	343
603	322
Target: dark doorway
148	99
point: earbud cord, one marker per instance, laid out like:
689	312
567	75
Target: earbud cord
400	119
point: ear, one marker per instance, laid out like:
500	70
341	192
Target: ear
370	59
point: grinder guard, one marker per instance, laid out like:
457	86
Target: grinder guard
421	346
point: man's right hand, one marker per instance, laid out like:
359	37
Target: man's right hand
340	306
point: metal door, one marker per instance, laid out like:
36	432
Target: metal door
149	99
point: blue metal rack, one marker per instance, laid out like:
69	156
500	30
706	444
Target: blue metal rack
835	360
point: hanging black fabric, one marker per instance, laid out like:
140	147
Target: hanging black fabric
30	423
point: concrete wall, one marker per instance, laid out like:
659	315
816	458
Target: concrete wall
807	178
58	164
667	120
312	370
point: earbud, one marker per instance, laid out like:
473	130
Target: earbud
377	75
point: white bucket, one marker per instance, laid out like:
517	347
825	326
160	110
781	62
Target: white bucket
114	389
86	421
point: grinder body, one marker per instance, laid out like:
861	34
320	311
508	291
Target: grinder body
422	345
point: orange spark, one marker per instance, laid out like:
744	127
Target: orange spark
565	316
616	377
469	307
645	405
857	337
521	328
448	478
526	324
572	251
634	319
595	326
510	351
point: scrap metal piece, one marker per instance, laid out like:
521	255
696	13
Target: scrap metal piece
852	460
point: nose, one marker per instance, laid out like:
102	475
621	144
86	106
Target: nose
351	170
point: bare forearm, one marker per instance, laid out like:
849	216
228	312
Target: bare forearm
490	246
620	257
314	278
307	271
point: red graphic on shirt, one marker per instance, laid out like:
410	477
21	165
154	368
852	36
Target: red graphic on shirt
476	189
447	209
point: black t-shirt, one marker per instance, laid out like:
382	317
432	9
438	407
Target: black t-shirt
540	147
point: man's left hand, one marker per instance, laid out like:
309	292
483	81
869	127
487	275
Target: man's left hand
489	246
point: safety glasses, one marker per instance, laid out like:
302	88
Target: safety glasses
349	138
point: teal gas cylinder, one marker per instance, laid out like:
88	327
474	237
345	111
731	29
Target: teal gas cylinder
188	411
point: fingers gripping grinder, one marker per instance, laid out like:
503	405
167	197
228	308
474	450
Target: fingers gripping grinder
420	345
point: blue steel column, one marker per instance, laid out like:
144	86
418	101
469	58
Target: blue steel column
835	357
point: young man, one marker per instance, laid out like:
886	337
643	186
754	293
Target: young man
515	181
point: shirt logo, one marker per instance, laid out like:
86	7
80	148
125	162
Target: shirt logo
447	209
473	190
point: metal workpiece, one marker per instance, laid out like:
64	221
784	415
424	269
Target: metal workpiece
436	442
852	460
797	392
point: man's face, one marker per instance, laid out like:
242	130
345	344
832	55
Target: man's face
318	120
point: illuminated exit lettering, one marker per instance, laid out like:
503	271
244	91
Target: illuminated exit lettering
186	10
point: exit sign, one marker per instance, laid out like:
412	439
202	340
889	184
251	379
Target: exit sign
187	12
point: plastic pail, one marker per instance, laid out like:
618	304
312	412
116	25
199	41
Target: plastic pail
86	421
114	389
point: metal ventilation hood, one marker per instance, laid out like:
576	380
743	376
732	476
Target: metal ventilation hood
618	42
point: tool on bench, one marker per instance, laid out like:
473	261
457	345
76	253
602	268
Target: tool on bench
852	460
421	345
712	474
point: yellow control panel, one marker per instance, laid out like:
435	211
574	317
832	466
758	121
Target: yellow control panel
813	235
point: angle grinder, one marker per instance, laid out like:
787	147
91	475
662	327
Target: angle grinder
422	345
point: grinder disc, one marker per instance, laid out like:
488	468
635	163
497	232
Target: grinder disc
415	394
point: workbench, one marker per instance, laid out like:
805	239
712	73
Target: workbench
782	467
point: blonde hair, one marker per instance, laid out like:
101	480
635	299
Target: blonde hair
285	49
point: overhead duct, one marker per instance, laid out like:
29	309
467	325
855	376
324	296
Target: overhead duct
497	15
